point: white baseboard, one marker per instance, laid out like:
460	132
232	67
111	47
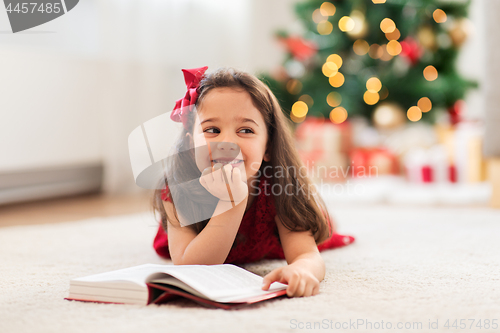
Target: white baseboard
36	184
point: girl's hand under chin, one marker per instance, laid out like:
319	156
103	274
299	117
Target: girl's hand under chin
214	183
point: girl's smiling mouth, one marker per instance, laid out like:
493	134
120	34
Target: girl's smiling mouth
225	161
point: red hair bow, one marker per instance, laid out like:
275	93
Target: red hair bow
183	106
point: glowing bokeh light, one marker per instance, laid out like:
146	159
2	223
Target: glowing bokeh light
337	80
373	85
393	35
394	48
414	113
346	24
327	9
334	99
317	16
329	69
338	115
307	99
299	109
439	16
387	25
361	47
371	98
430	73
297	119
424	104
336	59
375	51
325	27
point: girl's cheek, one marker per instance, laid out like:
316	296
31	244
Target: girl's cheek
202	157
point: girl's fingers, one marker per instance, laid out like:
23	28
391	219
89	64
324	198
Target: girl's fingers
227	171
315	290
301	288
275	275
293	284
217	174
236	176
207	177
203	182
308	291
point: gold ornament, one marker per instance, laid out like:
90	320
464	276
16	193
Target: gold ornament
427	38
388	116
460	30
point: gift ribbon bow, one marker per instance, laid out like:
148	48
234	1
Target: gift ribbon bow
183	107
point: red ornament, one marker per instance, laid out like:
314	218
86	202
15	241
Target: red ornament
455	112
300	48
411	50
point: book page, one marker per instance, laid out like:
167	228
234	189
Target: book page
219	282
136	275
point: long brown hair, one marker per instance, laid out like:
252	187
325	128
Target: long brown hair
302	211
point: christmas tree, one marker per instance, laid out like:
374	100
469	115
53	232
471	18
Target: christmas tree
388	61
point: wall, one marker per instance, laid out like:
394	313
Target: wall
73	89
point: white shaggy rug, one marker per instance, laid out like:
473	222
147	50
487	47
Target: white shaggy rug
409	266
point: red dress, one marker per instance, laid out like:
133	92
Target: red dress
257	237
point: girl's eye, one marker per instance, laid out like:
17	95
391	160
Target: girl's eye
247	129
211	130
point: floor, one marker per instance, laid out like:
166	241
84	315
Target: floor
417	269
73	208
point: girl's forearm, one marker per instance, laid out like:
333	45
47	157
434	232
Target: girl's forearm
313	262
212	245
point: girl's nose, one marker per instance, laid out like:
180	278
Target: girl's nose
227	146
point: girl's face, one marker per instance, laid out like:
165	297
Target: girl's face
235	130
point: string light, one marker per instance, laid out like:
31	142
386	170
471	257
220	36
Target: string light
334	99
387	25
299	109
373	85
327	9
346	24
329	69
439	16
395	35
361	47
337	80
296	119
307	99
336	59
338	115
325	27
414	113
371	98
375	51
317	16
394	48
430	73
424	104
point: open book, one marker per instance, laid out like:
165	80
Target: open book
225	286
